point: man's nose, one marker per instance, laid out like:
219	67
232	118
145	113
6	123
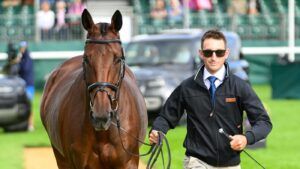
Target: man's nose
214	55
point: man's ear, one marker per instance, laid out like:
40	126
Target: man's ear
227	53
200	54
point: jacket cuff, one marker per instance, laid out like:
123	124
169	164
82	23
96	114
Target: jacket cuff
250	137
158	129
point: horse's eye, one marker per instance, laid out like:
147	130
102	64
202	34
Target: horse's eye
86	60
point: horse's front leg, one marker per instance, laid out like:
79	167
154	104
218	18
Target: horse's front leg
60	160
133	163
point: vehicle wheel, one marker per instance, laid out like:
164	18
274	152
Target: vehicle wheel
22	126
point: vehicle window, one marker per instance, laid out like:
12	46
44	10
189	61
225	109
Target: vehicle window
158	52
234	44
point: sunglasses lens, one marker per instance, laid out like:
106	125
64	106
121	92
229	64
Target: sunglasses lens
220	53
209	53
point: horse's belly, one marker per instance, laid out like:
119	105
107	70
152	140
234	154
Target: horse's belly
52	123
52	112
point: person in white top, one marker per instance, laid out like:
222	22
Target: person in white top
45	20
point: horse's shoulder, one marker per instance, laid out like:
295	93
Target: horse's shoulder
67	67
72	63
63	73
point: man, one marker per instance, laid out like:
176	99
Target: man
27	74
214	100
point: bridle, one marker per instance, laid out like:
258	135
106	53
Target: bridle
102	86
155	149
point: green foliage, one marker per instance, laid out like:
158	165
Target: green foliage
282	150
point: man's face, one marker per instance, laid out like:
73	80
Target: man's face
211	61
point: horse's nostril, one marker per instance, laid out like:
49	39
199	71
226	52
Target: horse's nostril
101	122
100	119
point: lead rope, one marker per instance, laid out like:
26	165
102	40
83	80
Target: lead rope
158	150
154	151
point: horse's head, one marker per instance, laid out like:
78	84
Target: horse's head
103	65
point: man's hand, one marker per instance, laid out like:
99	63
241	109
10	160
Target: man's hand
238	142
153	137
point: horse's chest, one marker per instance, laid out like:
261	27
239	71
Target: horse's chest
107	152
99	155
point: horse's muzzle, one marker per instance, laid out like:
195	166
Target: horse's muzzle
101	123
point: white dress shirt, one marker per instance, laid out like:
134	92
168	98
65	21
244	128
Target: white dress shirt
220	75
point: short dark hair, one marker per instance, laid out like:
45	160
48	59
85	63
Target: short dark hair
213	34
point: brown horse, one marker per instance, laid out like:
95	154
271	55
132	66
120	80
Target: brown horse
87	97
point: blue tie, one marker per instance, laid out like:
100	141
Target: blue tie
212	88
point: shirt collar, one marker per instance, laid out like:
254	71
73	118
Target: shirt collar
220	74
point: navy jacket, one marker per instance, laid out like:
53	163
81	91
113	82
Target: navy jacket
26	69
233	97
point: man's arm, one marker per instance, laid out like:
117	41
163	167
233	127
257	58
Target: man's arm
169	116
259	119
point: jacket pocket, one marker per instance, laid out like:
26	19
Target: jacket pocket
227	108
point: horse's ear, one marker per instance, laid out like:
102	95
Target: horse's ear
86	19
116	21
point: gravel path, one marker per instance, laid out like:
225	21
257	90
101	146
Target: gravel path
37	158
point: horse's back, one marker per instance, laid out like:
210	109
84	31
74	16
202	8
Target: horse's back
55	92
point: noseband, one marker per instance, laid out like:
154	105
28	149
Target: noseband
102	86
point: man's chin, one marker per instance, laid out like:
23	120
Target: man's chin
213	68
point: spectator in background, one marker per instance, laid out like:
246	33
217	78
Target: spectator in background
8	3
28	2
197	5
51	2
26	73
45	20
76	7
175	12
74	11
253	7
61	26
237	7
159	12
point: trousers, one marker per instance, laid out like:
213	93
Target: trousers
195	163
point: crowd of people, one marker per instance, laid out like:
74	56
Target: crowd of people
172	10
55	17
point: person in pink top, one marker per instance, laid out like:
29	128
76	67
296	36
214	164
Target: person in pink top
74	11
60	14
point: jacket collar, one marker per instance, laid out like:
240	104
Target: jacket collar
198	78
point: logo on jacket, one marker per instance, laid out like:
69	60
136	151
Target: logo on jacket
230	100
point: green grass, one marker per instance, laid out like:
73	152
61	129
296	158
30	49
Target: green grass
12	144
282	150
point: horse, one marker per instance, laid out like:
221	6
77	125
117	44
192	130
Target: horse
89	98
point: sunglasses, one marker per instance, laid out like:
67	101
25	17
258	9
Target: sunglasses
208	53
